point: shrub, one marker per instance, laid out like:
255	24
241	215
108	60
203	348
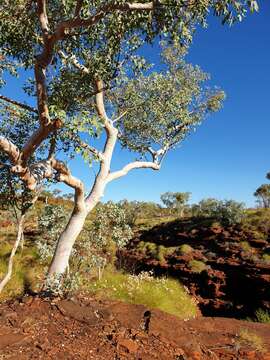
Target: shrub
197	266
245	246
50	223
266	258
262	316
247	337
161	293
227	212
185	249
258	222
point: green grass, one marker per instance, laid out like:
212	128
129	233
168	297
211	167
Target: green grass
26	271
197	266
165	294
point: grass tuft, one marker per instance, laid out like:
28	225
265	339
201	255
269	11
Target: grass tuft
253	340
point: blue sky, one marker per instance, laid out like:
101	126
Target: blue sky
229	155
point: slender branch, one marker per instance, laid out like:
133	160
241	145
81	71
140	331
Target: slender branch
8	275
10	149
19	104
131	166
120	117
100	102
64	175
42	15
98	154
38	137
101	13
52	147
74	61
78	8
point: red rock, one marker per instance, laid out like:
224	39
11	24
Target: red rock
129	345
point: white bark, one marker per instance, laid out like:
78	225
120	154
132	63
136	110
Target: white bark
83	206
65	244
8	275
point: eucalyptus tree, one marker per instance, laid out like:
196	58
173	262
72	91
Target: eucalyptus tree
176	200
88	78
263	195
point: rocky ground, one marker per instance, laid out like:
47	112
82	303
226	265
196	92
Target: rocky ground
84	328
235	281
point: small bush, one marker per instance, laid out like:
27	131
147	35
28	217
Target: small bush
197	266
266	258
262	316
251	339
165	294
245	246
227	212
185	249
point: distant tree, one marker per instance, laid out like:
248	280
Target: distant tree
263	195
139	209
68	196
168	199
56	193
176	200
182	199
227	212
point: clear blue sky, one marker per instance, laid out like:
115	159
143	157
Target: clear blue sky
229	155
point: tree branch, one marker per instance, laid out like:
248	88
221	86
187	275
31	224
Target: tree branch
10	149
64	175
101	13
38	137
8	275
78	8
42	15
74	62
100	102
131	166
17	103
98	154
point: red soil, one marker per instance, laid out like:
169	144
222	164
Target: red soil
85	328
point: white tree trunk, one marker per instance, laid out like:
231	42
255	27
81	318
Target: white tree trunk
65	243
60	261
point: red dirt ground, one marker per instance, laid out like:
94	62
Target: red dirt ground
84	328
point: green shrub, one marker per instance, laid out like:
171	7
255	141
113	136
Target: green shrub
227	212
165	294
245	246
262	316
197	266
266	258
185	249
258	222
